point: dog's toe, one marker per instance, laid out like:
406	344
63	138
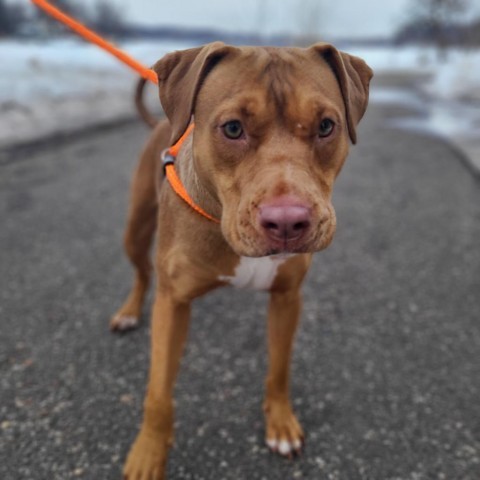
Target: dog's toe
285	448
297	446
272	444
123	323
284	435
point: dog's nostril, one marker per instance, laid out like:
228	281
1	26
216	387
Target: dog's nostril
270	226
301	225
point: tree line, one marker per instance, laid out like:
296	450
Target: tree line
25	20
443	23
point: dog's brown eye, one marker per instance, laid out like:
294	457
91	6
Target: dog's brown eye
326	127
233	129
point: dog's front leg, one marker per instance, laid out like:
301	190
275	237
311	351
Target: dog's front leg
283	432
148	456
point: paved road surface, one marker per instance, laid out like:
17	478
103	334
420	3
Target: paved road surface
387	365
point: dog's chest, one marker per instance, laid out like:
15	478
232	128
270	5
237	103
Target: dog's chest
255	273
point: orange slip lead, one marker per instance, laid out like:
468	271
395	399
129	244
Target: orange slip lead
146	73
91	36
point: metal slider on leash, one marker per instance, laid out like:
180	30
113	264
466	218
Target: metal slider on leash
169	155
167	159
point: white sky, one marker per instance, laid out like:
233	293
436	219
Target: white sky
335	17
327	18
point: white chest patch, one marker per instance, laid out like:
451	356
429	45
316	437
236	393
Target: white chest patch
255	273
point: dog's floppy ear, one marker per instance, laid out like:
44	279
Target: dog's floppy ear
353	76
180	75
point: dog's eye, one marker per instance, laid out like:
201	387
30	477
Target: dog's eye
326	127
233	129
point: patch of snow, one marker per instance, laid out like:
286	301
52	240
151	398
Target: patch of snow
459	79
393	58
445	98
58	86
398	96
456	78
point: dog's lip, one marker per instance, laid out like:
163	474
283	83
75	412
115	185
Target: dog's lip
265	246
299	245
283	246
275	248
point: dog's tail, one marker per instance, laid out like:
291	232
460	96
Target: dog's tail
146	116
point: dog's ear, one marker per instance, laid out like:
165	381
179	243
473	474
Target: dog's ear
353	76
180	75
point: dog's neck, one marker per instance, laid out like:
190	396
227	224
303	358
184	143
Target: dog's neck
199	193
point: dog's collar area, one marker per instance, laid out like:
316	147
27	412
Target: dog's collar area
168	158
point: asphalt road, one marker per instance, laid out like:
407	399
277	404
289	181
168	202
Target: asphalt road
386	374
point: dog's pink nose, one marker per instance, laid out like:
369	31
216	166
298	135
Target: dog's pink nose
284	221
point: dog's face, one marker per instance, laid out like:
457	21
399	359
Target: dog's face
272	131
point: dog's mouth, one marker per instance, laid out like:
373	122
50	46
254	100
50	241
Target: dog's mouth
284	225
256	243
287	246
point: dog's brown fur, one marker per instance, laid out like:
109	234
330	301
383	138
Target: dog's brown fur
280	96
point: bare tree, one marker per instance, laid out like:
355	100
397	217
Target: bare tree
6	27
75	8
437	17
108	18
310	16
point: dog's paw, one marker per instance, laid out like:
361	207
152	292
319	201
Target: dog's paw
147	459
123	323
284	435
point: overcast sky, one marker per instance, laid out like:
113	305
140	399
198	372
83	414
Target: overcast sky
335	17
326	18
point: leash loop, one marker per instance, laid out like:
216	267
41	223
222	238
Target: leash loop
168	157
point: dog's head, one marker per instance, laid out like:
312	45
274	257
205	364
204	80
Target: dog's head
272	130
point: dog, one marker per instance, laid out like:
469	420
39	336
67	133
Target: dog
272	129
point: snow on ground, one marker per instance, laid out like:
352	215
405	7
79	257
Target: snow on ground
444	97
56	86
456	78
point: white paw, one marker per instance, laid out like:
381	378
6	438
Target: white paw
284	447
124	322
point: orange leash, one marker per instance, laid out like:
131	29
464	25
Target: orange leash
168	158
170	154
91	36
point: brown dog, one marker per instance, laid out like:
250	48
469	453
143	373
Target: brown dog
272	129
